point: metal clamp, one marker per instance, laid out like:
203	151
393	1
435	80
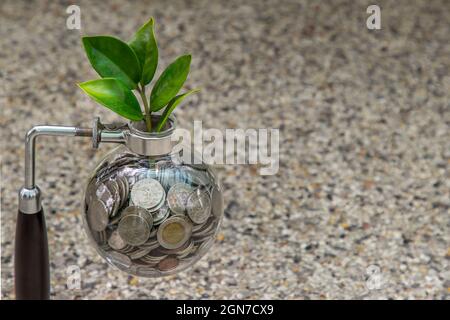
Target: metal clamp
132	135
30	194
111	132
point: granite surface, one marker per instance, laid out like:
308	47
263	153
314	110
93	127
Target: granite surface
364	119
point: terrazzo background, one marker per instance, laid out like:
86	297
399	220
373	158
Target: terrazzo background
364	121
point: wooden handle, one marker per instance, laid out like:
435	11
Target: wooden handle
31	266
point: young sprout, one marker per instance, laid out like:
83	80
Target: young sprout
124	67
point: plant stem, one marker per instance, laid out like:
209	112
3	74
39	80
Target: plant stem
147	116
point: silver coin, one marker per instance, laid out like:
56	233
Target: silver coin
202	238
183	253
146	173
113	187
107	172
126	186
205	245
139	211
101	166
197	181
150	246
160	215
105	196
199	206
153	232
192	253
151	241
127	249
120	258
110	181
116	207
174	232
177	250
147	193
135	225
102	169
163	165
139	253
115	241
123	161
99	237
103	236
115	220
206	229
142	267
152	259
158	206
185	247
97	215
177	197
197	227
122	190
205	232
90	190
154	256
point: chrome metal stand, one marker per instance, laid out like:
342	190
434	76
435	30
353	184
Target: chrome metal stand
31	264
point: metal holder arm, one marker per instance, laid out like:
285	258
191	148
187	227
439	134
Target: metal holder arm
31	263
30	194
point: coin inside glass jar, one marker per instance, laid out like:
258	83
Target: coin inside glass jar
98	215
190	199
115	241
135	225
199	206
147	193
177	197
160	215
174	232
168	263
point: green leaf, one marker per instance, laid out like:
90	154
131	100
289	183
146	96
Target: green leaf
113	94
170	82
171	106
112	57
146	49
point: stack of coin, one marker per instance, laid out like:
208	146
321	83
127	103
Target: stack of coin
153	257
157	215
105	200
205	231
97	215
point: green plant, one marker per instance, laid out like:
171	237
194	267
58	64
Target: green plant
126	67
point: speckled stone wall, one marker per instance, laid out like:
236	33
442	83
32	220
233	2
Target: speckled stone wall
364	122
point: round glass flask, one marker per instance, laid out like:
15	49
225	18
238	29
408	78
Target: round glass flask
147	210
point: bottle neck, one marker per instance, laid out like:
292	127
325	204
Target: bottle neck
150	143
